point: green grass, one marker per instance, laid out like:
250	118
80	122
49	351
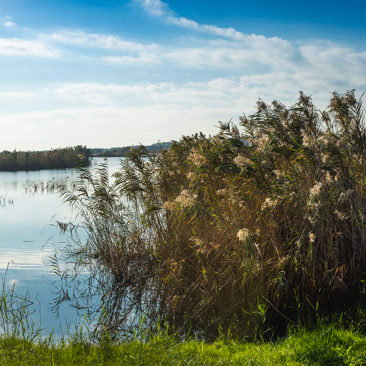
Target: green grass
326	345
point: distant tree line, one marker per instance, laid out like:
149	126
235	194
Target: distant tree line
69	157
153	149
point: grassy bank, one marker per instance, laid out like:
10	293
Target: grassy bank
326	345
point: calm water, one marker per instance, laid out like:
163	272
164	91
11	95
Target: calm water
28	236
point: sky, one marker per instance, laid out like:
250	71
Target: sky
107	73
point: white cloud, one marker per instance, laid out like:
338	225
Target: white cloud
230	33
154	7
143	59
308	64
22	259
109	42
21	47
105	126
161	9
120	114
9	24
233	59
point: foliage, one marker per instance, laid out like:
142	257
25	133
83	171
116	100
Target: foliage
115	258
69	157
15	313
323	346
245	232
125	151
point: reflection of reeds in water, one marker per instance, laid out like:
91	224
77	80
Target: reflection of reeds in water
15	312
4	201
49	186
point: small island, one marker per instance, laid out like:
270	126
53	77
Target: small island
62	158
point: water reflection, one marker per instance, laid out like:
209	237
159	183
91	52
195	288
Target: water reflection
5	201
30	207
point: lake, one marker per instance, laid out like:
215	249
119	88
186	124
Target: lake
29	236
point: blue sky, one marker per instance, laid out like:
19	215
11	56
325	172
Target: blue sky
113	73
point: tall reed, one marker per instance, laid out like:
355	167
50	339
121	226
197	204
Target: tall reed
245	232
16	313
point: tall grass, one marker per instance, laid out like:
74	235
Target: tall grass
15	313
244	232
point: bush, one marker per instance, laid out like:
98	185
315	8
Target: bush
247	231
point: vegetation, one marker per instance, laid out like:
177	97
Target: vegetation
125	151
247	232
69	157
323	346
230	241
337	341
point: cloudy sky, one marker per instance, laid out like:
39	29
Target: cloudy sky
108	73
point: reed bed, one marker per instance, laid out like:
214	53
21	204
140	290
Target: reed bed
246	232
